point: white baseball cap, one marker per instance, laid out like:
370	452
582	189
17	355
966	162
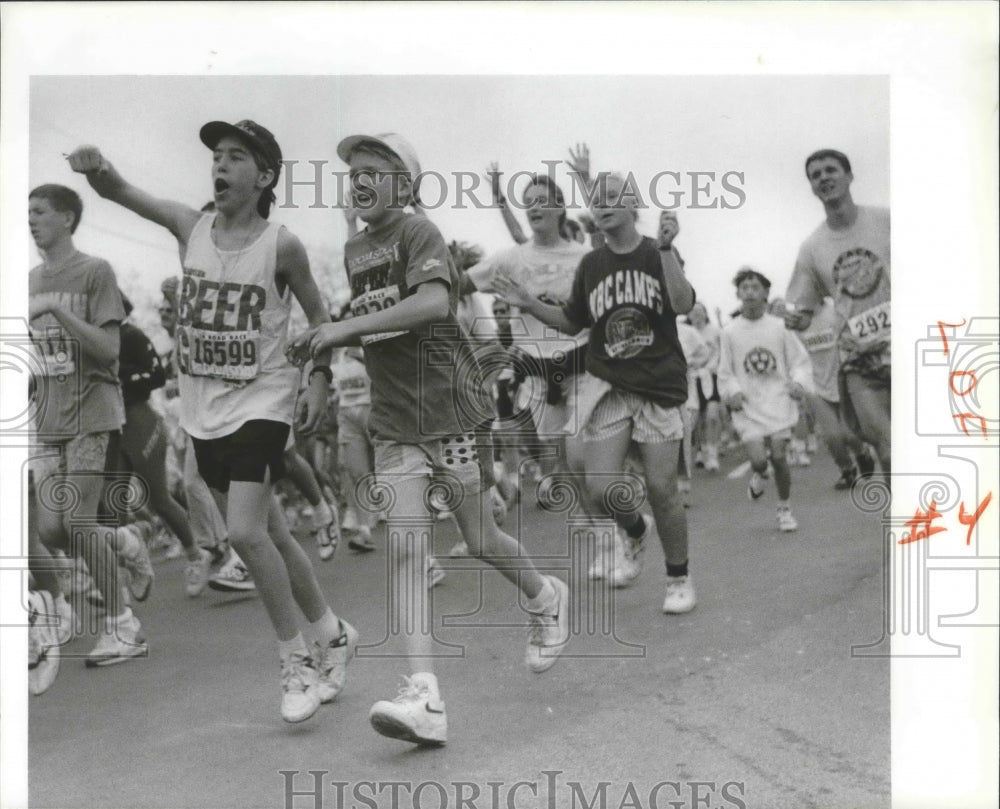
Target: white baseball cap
390	141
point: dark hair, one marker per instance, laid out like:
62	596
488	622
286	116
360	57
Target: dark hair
62	199
823	154
748	272
267	197
545	181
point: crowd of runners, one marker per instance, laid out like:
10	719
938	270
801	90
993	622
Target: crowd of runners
580	355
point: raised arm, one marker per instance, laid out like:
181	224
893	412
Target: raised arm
679	290
500	201
104	178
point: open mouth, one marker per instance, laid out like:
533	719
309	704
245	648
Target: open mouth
220	185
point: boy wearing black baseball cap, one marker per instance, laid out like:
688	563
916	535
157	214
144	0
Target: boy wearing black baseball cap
238	389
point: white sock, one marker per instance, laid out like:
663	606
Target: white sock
326	629
287	647
427	678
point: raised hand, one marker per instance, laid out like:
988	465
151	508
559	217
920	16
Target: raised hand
511	291
579	161
86	159
493	175
668	229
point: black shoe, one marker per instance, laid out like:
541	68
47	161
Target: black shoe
847	478
866	463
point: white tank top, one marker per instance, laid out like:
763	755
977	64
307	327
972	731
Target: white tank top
231	335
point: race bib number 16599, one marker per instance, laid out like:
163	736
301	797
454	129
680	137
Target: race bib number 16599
233	356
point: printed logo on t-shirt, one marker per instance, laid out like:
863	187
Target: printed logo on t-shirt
625	287
760	360
627	332
430	264
219	328
857	272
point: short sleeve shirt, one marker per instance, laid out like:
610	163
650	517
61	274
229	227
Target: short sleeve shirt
633	345
547	273
853	266
426	383
75	393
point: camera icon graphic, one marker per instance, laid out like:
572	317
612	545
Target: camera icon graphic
956	379
36	363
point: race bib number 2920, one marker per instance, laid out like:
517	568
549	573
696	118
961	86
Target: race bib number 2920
233	356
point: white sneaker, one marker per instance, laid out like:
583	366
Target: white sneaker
121	640
680	595
196	574
331	662
134	557
786	522
548	632
299	687
326	525
232	577
416	715
43	642
756	486
435	573
625	566
711	458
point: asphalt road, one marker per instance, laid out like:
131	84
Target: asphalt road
753	699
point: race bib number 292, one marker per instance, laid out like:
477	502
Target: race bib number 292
232	356
872	324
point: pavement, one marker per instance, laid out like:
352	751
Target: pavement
752	700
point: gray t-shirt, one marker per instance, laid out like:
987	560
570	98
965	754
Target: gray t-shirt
75	394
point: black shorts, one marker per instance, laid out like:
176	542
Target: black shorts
244	456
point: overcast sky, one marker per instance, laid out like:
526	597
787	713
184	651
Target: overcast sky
754	131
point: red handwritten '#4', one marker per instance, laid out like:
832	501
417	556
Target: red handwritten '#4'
921	525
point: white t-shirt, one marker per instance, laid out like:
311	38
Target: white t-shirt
759	358
546	273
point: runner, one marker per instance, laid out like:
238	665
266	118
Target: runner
848	257
75	310
547	368
629	293
424	417
763	371
237	388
